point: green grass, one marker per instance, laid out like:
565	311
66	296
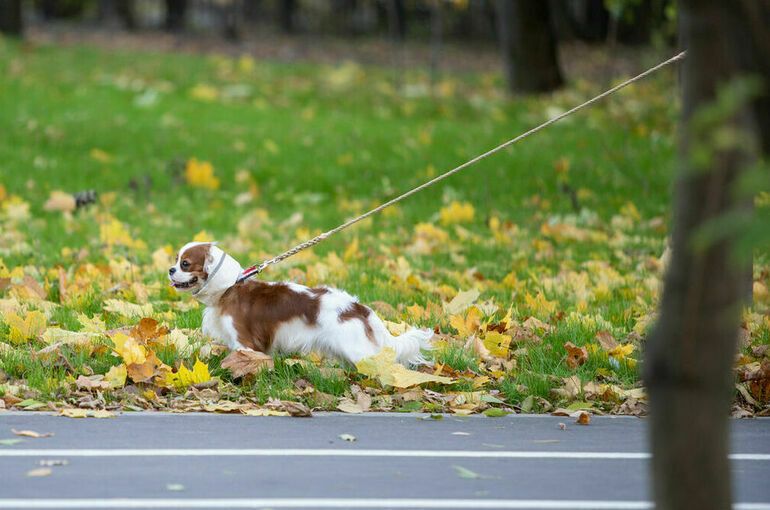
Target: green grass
321	144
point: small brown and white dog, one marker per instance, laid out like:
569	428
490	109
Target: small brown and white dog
285	317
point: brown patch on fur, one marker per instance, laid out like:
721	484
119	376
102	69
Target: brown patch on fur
196	256
258	308
360	312
319	291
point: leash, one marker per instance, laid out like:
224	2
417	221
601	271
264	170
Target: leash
256	269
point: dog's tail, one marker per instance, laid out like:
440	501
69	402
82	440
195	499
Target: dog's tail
409	345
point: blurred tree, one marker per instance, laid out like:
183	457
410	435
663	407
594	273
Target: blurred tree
125	10
528	45
286	13
397	19
175	14
690	352
11	18
11	22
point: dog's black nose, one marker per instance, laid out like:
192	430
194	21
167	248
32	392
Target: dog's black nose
172	270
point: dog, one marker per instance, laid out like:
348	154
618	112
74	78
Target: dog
272	317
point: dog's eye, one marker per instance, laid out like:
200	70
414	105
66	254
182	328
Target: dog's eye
185	264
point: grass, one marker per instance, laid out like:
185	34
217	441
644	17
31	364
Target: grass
299	148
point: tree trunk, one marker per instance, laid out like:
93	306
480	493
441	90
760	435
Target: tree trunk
528	45
286	10
11	22
690	352
125	9
175	15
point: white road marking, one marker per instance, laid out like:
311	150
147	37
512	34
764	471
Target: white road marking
528	504
328	452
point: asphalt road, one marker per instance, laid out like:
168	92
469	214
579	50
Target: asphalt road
396	461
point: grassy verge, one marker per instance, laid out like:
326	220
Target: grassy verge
557	241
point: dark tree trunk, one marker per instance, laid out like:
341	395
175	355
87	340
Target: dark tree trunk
397	19
175	14
286	10
125	9
690	352
528	45
11	22
590	19
233	17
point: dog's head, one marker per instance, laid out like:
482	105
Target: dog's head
195	263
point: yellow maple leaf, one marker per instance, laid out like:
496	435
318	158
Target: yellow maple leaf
58	335
185	377
129	349
539	305
497	343
200	174
204	92
203	237
456	212
113	232
91	325
100	155
461	301
31	326
468	325
116	376
384	368
126	309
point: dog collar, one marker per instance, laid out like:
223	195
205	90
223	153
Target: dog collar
211	276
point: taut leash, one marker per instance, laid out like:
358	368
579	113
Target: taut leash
256	269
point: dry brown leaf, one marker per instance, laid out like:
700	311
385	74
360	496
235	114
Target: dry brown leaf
606	340
143	372
60	201
296	409
583	418
576	356
361	404
92	382
148	329
244	362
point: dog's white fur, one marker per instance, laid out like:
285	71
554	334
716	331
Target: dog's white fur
346	340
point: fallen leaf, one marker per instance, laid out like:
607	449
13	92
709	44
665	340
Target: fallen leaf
53	462
465	473
31	433
347	437
85	413
264	412
116	376
31	326
576	356
185	377
126	309
583	418
200	174
10	442
456	212
384	368
461	301
606	340
243	362
43	471
92	382
60	201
